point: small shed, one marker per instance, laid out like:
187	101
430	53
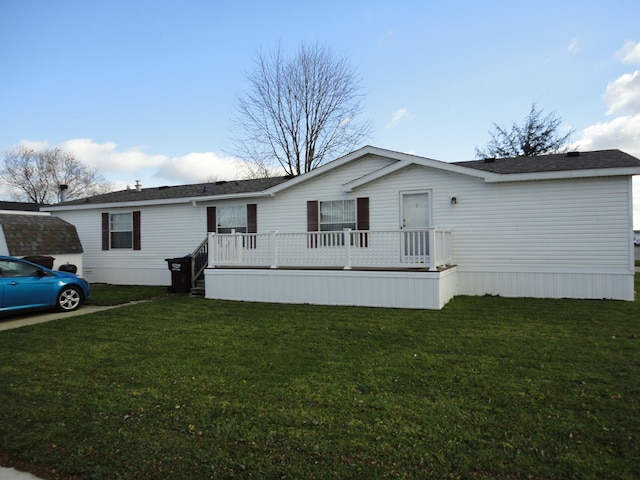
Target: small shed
24	234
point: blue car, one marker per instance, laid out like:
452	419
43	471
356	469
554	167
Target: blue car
27	285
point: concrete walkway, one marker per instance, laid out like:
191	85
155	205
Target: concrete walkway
13	474
32	318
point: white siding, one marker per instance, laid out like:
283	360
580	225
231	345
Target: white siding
287	212
577	225
166	231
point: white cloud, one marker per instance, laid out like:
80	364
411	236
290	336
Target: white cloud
624	93
398	116
124	167
574	46
198	167
630	53
387	38
108	159
189	168
622	133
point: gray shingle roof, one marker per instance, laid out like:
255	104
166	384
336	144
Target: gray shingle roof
39	235
182	191
555	162
21	206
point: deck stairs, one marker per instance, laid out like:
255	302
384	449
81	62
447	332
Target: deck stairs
198	289
199	259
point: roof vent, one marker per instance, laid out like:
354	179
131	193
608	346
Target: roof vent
138	186
490	160
573	154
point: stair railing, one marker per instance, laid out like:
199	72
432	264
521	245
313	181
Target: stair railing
199	260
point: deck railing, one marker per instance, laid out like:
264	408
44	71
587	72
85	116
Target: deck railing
199	261
428	248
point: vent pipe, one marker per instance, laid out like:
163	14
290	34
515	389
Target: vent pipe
138	186
63	192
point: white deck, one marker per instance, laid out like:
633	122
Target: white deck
398	269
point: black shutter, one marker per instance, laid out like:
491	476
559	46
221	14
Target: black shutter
105	231
313	224
252	224
312	216
362	212
137	245
252	218
362	218
211	220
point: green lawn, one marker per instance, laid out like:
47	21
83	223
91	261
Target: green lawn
105	294
184	388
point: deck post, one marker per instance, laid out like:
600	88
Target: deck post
274	249
431	232
212	249
347	248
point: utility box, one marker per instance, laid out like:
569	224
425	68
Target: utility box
180	274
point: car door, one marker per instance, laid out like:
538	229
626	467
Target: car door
24	286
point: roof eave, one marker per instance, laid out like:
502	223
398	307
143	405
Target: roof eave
491	177
145	203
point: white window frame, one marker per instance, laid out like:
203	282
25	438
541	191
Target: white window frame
240	212
119	229
337	207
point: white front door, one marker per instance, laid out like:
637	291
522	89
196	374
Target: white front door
416	219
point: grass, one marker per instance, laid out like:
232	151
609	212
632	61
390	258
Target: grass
106	294
186	388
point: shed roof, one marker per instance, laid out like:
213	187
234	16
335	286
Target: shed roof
38	235
21	206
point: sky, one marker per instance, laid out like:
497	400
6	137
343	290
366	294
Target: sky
147	89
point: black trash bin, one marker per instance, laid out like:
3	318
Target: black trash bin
43	260
68	267
180	274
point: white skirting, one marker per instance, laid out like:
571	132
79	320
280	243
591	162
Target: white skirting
407	289
395	289
547	284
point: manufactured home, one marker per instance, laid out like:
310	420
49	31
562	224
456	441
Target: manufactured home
379	228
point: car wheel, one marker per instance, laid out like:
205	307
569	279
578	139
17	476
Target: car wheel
69	299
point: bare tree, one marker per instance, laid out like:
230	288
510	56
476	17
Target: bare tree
300	111
536	136
36	176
